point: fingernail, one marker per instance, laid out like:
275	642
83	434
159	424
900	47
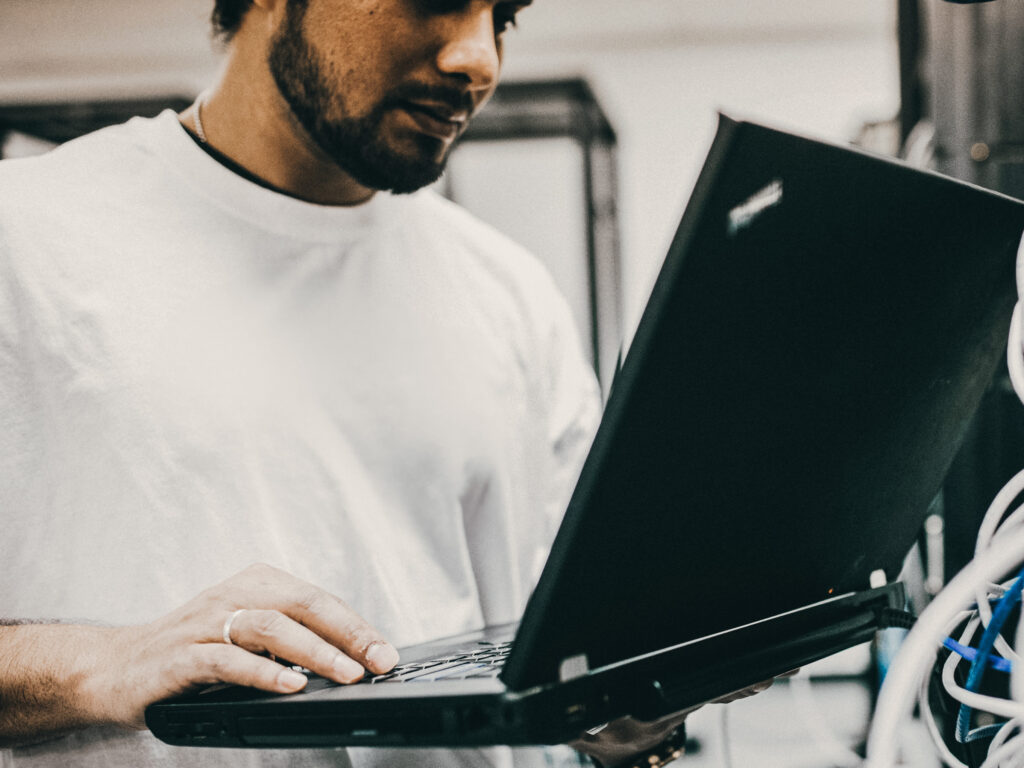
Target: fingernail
291	680
381	656
347	669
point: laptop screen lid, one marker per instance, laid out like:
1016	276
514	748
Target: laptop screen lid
820	334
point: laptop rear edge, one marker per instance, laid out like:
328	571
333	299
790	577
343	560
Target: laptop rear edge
807	510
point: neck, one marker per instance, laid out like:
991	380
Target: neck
244	119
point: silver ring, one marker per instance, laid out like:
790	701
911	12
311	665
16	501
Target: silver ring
226	631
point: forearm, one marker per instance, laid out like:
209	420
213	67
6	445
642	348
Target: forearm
47	680
59	677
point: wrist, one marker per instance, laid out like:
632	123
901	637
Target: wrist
103	693
671	748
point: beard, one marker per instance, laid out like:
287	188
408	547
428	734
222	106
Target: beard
356	144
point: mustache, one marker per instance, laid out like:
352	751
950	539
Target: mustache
455	99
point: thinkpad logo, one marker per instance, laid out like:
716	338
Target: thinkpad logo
744	214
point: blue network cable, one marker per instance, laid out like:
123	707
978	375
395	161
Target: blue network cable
997	663
984	652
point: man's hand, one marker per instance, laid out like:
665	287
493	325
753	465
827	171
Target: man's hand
57	677
621	740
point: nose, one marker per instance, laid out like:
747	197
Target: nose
471	50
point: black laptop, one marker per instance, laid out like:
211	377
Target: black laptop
822	330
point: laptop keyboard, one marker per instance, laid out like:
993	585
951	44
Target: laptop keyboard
483	660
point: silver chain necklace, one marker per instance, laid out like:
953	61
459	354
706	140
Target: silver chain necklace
197	118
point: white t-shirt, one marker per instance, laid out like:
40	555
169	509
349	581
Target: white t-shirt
198	373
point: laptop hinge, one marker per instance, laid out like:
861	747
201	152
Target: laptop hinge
573	667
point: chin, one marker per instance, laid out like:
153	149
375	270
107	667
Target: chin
400	172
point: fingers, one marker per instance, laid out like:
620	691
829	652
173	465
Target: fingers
225	635
270	631
622	739
331	618
323	614
631	729
744	693
219	663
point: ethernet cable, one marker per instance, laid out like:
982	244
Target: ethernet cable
989	529
992	631
917	654
924	699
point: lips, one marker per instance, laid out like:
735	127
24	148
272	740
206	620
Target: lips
436	120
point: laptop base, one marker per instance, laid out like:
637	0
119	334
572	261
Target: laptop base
453	715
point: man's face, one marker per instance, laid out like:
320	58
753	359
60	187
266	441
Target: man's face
384	87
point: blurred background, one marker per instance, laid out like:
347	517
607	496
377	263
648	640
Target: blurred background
587	155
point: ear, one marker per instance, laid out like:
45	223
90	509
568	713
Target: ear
271	11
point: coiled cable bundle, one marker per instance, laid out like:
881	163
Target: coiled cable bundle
979	598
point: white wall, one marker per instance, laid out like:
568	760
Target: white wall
55	50
660	67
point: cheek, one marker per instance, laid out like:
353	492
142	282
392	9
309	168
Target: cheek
361	36
361	68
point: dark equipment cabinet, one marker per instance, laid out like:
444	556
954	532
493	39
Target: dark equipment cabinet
962	71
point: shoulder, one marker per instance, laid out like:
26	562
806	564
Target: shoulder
480	253
77	173
508	291
64	210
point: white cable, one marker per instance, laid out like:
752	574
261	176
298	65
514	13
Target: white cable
1004	733
918	651
997	509
1014	350
1017	670
990	524
954	659
997	706
723	736
1020	269
1012	748
1000	644
995	591
973	700
928	716
1012	520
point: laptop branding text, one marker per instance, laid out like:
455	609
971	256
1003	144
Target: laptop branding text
744	214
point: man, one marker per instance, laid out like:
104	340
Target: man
221	343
